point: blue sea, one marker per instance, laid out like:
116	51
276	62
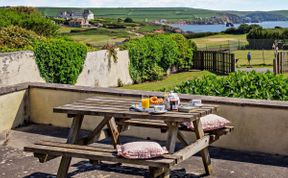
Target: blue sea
222	27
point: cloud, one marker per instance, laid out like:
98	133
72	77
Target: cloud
207	4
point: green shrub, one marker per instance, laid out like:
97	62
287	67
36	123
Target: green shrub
184	59
242	29
158	53
192	35
28	18
60	61
251	85
264	38
128	20
16	38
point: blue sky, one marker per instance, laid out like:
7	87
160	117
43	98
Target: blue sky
206	4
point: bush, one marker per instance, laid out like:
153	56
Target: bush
190	35
28	18
128	20
16	38
264	38
60	61
152	55
242	29
251	85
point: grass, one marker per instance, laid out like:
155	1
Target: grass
149	28
259	57
138	14
220	41
169	82
150	14
285	75
97	37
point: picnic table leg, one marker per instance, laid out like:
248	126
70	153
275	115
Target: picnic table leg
205	152
72	138
172	136
93	137
114	132
159	172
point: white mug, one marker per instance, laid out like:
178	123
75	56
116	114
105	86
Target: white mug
196	102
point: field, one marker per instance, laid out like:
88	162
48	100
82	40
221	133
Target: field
97	37
149	14
139	14
169	82
220	41
259	57
235	42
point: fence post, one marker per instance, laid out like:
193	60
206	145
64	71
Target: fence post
281	62
214	62
233	62
274	66
223	63
202	60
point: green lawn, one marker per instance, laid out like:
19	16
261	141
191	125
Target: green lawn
285	75
97	37
149	28
220	40
169	82
259	57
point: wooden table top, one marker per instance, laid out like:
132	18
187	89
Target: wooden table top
118	107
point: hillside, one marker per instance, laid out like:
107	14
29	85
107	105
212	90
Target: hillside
151	14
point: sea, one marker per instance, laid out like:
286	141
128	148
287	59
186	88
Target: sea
221	27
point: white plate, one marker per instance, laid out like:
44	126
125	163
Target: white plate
198	105
157	112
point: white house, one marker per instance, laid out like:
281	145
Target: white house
87	14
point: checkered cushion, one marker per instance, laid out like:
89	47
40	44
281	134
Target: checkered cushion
210	122
141	150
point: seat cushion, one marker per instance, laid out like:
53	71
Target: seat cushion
141	150
210	122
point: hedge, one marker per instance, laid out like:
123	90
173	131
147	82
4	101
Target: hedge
152	55
28	18
14	38
60	61
251	85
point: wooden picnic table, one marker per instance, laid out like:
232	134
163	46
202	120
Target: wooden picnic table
112	108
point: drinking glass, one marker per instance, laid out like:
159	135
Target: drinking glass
145	101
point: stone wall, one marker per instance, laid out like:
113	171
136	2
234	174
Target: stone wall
97	72
19	67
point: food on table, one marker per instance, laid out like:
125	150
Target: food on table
156	101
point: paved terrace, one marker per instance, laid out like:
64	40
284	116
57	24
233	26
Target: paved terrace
226	163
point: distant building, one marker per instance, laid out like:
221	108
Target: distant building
87	14
79	22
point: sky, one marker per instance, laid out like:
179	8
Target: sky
205	4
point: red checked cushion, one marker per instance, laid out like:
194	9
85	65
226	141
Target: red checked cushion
210	122
140	150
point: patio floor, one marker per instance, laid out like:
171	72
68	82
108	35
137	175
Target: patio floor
226	163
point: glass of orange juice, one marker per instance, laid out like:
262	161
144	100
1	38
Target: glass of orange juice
145	102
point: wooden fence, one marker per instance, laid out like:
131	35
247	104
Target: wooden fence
280	64
214	61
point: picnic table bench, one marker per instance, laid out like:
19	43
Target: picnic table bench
117	117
